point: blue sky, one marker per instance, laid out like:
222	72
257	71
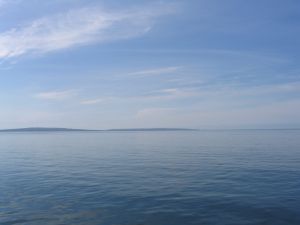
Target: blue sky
118	64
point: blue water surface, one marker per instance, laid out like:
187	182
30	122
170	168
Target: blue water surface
246	177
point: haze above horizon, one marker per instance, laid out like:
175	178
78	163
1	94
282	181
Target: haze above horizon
166	63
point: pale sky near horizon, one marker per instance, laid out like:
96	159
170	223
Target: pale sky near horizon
102	64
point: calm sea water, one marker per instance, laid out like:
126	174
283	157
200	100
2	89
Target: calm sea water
150	178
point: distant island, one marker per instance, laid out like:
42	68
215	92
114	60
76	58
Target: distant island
152	129
48	129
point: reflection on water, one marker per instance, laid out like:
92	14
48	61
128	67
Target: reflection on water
150	178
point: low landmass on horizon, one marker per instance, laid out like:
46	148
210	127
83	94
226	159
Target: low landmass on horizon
49	129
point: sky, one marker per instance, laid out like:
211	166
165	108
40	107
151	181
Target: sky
102	64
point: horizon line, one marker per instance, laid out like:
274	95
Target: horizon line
63	129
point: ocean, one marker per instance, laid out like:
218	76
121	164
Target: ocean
237	177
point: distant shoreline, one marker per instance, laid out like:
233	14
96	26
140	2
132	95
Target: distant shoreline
42	129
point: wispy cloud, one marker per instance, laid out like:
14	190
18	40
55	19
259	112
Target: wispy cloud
3	2
259	116
29	117
154	111
173	93
216	94
79	27
56	95
157	71
92	101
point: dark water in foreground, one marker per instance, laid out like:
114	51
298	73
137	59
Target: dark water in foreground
150	178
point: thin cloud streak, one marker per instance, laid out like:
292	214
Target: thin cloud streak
157	71
251	117
92	101
205	94
56	95
79	27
